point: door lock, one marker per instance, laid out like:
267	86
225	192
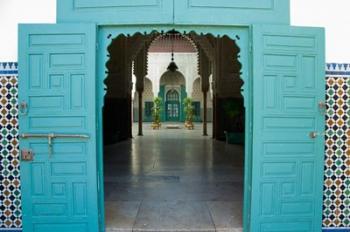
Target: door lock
23	108
322	107
27	155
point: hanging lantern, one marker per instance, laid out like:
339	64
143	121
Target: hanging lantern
172	66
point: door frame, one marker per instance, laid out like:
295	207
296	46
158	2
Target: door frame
172	102
242	36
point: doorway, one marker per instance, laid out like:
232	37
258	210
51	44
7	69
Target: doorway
287	64
171	173
172	106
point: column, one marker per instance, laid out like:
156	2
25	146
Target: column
204	72
140	71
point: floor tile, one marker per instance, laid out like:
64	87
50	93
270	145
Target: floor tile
174	216
121	215
227	215
178	176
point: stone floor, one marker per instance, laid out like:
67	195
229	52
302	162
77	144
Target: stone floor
173	180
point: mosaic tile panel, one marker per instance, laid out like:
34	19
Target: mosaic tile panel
10	195
337	159
10	203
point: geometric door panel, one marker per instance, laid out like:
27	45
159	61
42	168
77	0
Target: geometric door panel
231	12
57	98
116	12
288	145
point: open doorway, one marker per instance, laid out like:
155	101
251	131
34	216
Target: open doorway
173	178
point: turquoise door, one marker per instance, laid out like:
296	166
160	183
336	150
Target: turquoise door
231	12
116	12
288	123
172	106
58	125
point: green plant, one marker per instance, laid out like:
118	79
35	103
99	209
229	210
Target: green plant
156	110
232	109
189	109
234	112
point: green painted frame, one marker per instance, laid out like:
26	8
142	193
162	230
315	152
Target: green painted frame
177	103
242	36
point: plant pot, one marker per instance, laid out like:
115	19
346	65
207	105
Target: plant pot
156	125
189	125
234	137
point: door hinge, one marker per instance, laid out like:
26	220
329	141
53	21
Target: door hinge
97	46
250	47
98	182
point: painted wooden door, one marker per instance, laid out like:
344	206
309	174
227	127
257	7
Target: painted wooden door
288	145
173	106
231	12
116	12
57	97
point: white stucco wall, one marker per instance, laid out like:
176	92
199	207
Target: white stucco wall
158	63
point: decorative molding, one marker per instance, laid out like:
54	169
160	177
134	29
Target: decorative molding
10	230
86	4
236	4
336	229
338	69
8	68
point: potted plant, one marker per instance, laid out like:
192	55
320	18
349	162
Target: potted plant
189	113
156	110
234	127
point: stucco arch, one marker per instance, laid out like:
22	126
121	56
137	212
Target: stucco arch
196	90
172	79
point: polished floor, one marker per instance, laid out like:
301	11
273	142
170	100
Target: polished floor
173	180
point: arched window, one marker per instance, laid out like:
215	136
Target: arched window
172	95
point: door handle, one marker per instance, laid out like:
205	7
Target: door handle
315	134
23	108
52	136
322	107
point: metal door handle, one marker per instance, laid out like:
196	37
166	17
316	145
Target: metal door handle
322	107
23	108
52	136
315	134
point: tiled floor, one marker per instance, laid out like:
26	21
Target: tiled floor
173	180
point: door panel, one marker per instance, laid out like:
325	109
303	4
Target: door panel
112	12
173	111
288	76
231	12
57	92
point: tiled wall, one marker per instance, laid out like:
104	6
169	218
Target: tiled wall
10	195
337	157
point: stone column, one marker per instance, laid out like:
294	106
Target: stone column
140	71
204	72
217	76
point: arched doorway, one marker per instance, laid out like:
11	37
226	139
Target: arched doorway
172	106
173	92
283	175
